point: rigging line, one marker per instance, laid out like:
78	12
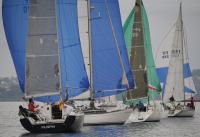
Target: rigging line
62	42
186	44
116	42
91	80
161	43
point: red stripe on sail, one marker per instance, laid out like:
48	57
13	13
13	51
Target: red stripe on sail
152	87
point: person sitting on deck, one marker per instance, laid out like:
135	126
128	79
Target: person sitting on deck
26	113
171	99
92	105
31	106
141	106
192	103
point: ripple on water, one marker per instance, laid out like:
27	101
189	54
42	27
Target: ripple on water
168	127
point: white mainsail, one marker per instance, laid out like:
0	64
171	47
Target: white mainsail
175	82
42	53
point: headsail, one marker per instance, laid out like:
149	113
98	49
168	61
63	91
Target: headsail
74	77
107	67
154	87
137	36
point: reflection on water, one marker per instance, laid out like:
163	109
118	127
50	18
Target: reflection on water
168	127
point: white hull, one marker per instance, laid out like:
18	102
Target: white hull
106	118
153	114
148	116
184	112
154	117
165	114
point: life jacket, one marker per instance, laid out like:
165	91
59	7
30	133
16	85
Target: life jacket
31	107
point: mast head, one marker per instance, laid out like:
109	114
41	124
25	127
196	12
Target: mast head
180	5
138	2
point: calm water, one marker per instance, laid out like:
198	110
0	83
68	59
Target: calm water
168	127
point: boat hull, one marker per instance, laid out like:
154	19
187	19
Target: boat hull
186	112
153	114
72	123
148	116
107	118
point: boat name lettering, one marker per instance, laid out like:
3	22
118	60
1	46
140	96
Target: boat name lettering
48	126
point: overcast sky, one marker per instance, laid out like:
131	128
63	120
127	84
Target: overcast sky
162	15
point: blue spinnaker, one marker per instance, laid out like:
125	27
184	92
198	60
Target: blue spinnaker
73	74
162	72
15	20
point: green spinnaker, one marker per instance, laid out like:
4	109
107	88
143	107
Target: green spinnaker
153	82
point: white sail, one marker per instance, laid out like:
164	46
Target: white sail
175	80
83	30
42	53
84	38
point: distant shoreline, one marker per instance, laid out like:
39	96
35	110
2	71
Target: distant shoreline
25	101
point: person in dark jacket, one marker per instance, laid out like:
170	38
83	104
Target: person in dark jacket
171	99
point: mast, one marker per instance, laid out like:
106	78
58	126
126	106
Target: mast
182	39
59	59
90	50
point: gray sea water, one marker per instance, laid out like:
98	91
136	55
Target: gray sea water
168	127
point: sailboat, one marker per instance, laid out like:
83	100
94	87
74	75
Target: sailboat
107	60
178	83
147	85
43	39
